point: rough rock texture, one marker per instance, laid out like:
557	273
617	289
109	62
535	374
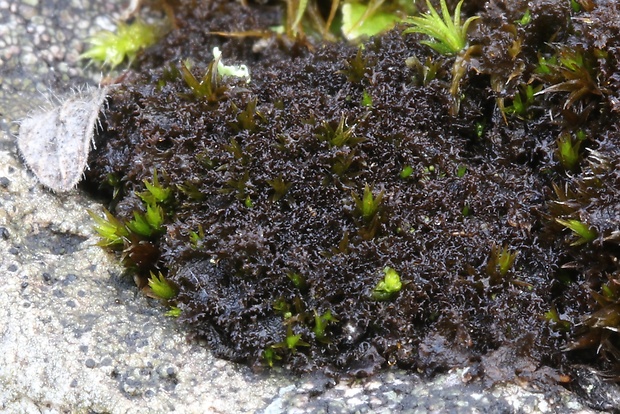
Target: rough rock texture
76	336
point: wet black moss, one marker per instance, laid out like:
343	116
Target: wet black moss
259	171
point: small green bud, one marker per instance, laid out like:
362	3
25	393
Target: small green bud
388	286
161	287
174	312
155	217
586	233
113	48
406	171
140	225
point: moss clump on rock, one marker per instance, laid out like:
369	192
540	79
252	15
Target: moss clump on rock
288	197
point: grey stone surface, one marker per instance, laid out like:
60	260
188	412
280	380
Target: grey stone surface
75	334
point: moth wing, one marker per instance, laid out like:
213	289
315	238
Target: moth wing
38	146
74	135
55	144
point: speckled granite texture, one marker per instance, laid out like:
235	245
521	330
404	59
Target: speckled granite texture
76	336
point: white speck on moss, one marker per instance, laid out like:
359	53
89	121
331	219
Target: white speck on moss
239	71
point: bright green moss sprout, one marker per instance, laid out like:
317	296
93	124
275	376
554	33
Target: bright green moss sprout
568	151
449	36
406	171
525	19
155	192
359	19
125	234
151	222
291	342
196	237
522	101
584	233
111	230
466	211
501	260
506	260
368	205
155	217
112	49
559	324
270	355
480	129
321	322
174	312
298	280
140	225
389	286
161	287
366	100
545	65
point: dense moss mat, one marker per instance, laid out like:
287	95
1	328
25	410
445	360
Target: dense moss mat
292	193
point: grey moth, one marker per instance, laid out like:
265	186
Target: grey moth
55	144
